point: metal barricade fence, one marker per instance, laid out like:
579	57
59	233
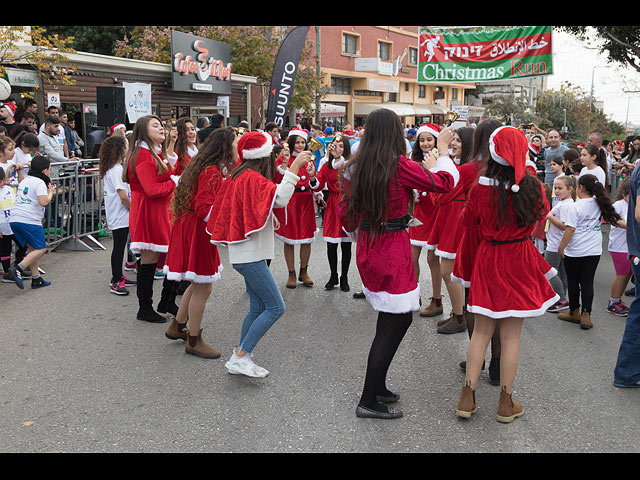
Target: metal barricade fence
76	213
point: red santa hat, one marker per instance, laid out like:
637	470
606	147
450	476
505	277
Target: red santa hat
509	147
117	126
254	145
300	132
431	128
11	107
534	148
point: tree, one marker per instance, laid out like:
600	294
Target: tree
91	38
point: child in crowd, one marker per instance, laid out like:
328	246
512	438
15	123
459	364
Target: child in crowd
619	252
7	238
7	152
581	246
539	234
590	159
117	201
26	147
568	157
564	188
34	194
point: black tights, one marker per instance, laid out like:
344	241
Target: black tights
120	236
580	274
332	255
496	346
390	331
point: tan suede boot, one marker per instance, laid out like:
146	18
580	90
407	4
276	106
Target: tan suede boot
456	324
508	409
585	321
304	277
445	320
573	316
466	403
176	331
434	308
195	345
291	282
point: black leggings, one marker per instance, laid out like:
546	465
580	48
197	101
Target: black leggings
5	251
332	255
390	331
580	274
120	236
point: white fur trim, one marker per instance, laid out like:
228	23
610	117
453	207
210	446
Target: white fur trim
443	254
427	129
299	133
492	147
301	241
393	302
193	277
419	243
464	283
551	273
445	164
337	240
263	151
514	313
137	247
431	247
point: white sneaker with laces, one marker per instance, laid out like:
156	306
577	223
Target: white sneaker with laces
245	366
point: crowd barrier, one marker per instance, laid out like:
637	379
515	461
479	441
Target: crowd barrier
75	216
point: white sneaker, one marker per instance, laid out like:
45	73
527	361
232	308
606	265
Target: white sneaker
245	366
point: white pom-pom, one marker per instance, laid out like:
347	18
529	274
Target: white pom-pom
515	188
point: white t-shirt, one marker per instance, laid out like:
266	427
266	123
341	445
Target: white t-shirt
618	236
554	234
26	208
586	218
598	172
117	213
21	157
7	198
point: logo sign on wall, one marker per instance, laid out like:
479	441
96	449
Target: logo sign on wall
484	56
200	64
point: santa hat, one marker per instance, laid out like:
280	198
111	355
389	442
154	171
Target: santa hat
254	145
11	107
300	132
534	148
117	126
508	147
431	128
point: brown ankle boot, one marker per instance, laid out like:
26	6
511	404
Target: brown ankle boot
291	282
585	321
176	331
467	403
573	316
508	409
434	308
197	346
445	320
304	277
456	324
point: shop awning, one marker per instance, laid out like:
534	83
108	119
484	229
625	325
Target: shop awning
332	110
401	109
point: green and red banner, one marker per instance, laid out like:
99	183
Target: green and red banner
484	55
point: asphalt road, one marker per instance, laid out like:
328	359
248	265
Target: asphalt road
79	373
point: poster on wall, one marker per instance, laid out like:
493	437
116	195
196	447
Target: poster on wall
137	98
200	64
484	55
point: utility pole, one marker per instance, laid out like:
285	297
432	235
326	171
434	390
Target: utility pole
318	73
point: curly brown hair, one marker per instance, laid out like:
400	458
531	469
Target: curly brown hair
218	151
112	151
181	148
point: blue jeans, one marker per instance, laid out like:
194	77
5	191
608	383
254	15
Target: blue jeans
265	303
627	369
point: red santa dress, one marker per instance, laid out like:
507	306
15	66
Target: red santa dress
328	175
426	211
182	161
298	218
510	276
149	215
191	255
386	265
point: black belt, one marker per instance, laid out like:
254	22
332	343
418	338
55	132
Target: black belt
503	242
303	189
190	210
392	225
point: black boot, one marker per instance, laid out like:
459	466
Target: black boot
144	290
333	281
494	371
168	297
344	283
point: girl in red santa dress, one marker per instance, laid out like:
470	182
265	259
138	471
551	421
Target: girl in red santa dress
426	211
298	218
183	145
191	255
152	183
446	234
333	232
242	220
378	184
509	280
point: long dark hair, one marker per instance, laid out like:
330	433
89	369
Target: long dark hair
595	189
217	151
372	167
181	148
525	207
346	153
466	137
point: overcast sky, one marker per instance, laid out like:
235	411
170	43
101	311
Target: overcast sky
575	63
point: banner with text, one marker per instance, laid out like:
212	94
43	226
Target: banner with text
484	56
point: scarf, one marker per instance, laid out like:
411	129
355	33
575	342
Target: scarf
41	176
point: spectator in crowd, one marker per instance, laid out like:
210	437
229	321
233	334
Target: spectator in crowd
49	139
217	121
555	149
54	111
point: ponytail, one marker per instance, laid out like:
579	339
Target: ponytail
595	189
